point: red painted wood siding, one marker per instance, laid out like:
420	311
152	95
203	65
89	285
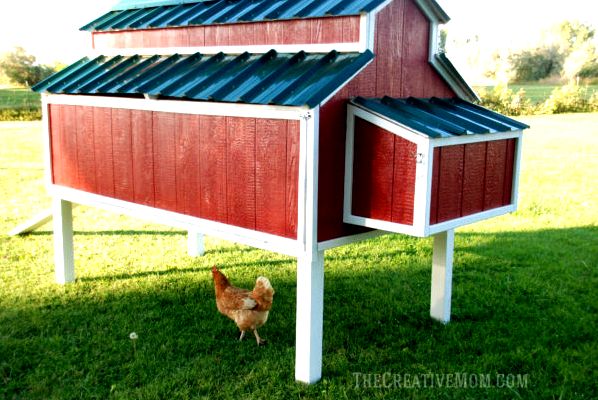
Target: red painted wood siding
471	178
344	29
239	171
383	174
400	69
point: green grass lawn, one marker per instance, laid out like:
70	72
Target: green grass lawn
19	98
525	298
538	93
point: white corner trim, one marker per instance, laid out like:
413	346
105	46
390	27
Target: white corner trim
516	172
470	219
347	47
349	160
235	234
310	144
332	243
180	106
46	140
476	138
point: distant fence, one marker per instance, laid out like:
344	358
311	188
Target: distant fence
19	105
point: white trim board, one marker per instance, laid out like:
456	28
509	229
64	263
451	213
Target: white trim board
244	236
347	47
180	106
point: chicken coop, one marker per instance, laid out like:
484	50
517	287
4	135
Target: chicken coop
290	126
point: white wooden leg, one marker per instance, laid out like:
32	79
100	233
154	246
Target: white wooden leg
64	260
310	318
195	243
442	276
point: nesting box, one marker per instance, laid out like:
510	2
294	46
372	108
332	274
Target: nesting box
423	166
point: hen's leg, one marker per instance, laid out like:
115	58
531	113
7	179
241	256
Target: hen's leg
260	341
242	335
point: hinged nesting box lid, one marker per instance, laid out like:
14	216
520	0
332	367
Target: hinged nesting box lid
421	166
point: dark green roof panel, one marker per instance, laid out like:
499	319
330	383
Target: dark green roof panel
439	118
297	79
135	14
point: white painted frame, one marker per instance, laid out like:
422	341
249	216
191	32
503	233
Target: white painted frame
310	258
423	182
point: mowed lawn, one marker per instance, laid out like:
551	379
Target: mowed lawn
525	299
538	92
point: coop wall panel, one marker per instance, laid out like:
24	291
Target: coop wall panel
217	168
387	75
373	171
343	29
471	178
403	189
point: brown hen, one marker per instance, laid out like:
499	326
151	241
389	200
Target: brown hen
249	309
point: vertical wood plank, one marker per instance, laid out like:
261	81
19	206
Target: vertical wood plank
296	31
212	167
143	156
217	35
450	183
56	143
350	29
473	178
389	37
85	149
187	164
292	178
509	165
416	28
373	171
434	187
331	30
403	195
69	146
270	176
102	124
272	32
242	34
495	174
123	154
163	137
196	35
240	171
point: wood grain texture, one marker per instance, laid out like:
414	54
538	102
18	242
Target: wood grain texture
450	183
196	35
270	176
373	164
292	178
495	174
143	156
436	165
388	44
85	149
212	167
240	171
474	173
187	164
69	146
403	189
164	139
55	126
122	148
104	158
415	40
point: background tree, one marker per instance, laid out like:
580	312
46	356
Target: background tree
22	69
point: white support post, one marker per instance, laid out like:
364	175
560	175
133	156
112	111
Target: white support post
310	264
310	318
64	260
195	243
442	276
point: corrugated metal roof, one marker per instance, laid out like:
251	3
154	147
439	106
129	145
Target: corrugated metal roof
177	13
271	78
440	117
